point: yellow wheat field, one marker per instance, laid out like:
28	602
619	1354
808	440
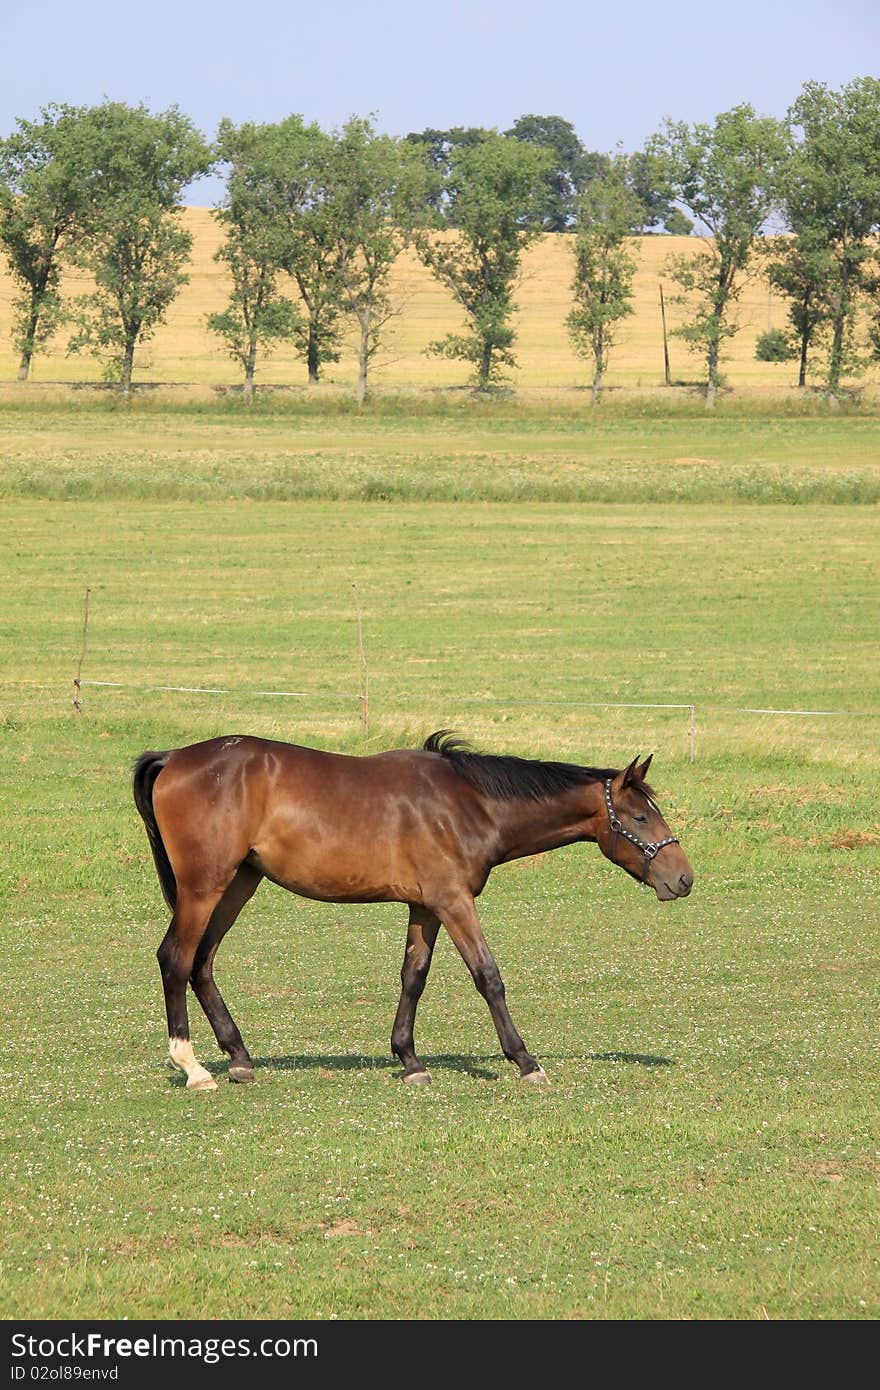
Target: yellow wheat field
183	351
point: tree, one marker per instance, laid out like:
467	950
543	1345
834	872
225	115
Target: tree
253	216
569	171
310	241
650	184
774	346
374	183
436	147
802	268
609	212
726	175
41	196
833	195
132	242
493	191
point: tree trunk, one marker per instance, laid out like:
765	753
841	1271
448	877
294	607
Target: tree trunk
597	385
312	355
250	368
712	376
363	363
27	351
127	366
835	361
802	370
485	367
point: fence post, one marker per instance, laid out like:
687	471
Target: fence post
665	341
77	680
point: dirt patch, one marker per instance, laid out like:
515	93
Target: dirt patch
345	1227
854	839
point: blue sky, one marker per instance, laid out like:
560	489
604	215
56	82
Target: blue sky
614	70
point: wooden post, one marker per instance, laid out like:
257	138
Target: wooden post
77	680
692	733
364	695
665	340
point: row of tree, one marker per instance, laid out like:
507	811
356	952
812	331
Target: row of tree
314	221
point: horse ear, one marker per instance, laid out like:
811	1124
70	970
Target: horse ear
642	772
626	777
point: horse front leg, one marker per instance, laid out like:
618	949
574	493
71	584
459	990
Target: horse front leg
461	921
420	938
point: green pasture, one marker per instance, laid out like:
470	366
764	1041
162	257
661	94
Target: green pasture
708	1147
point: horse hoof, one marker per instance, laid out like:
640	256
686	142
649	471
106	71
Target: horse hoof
241	1075
202	1083
417	1078
538	1077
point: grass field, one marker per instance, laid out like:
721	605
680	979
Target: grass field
183	350
708	1147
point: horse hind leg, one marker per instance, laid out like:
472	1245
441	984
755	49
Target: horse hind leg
229	1039
176	956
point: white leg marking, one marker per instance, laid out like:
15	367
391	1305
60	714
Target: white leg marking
198	1078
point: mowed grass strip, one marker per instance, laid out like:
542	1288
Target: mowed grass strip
708	1145
444	448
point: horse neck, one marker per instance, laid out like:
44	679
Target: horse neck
530	827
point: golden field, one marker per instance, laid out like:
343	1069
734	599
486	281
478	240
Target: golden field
183	351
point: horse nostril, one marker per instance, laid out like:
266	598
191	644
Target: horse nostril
686	882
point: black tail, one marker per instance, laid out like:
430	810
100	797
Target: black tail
146	770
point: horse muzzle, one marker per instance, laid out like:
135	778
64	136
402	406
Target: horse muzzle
668	886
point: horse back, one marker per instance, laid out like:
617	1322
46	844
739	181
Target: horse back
325	825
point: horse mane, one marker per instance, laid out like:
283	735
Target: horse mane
508	778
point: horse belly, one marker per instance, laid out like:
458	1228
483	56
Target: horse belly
332	869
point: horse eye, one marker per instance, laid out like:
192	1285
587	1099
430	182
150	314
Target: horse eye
641	820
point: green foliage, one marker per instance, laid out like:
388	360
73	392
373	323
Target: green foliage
774	346
250	320
832	201
375	188
649	177
569	172
42	194
436	148
138	269
253	217
609	212
727	176
493	194
304	187
802	267
137	165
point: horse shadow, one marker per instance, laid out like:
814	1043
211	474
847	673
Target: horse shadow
484	1068
353	1061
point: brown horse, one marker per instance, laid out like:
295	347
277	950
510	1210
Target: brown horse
418	826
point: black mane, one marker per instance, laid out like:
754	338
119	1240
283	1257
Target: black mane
507	778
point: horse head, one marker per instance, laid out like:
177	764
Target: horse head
636	836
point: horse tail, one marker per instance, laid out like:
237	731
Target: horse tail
146	770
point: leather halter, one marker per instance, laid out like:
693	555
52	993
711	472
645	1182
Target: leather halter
648	850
